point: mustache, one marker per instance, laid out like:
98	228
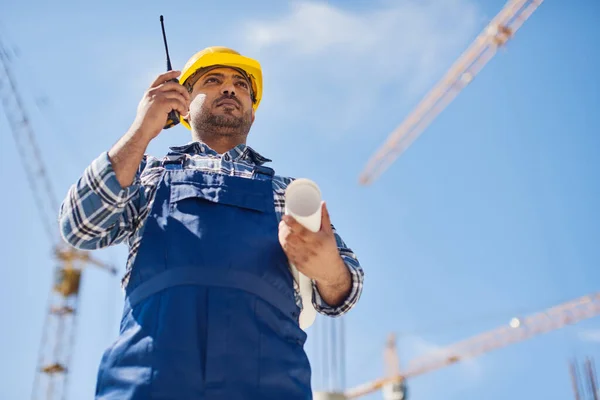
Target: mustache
228	97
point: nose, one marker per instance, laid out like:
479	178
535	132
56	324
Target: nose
228	88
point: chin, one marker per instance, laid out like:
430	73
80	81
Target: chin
228	132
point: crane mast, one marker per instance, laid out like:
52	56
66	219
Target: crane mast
495	35
58	336
584	383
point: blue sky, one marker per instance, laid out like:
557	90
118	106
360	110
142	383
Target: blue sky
492	212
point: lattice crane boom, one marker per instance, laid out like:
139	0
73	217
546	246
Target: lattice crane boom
27	146
495	35
58	334
518	330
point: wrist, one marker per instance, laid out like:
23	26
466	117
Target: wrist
140	133
338	277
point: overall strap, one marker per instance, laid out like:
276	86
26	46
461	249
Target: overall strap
173	161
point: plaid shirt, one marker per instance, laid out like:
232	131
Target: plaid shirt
98	212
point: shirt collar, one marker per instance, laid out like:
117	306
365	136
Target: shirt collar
241	152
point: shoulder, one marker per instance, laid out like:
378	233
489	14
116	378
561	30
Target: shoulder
280	183
150	169
149	161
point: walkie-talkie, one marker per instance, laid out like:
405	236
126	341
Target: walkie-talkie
173	118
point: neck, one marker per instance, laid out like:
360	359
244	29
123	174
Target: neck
219	142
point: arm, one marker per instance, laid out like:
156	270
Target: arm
325	300
103	207
97	212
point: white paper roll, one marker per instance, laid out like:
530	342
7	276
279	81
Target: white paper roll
303	202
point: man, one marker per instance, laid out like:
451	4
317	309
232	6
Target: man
211	308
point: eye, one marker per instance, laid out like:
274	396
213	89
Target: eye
211	80
243	84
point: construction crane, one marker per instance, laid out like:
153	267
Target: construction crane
397	389
518	330
581	391
58	336
495	35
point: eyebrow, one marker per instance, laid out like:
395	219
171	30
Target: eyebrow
220	75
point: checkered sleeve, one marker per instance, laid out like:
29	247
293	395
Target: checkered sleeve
97	212
357	276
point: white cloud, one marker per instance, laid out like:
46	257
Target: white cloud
405	37
590	335
349	60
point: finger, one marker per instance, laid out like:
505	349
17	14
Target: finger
174	94
294	255
297	240
295	226
162	78
174	104
291	249
300	259
172	86
284	230
289	235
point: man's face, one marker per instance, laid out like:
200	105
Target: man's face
221	103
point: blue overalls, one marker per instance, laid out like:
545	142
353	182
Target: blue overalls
209	311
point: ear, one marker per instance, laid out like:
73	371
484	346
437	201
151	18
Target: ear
187	115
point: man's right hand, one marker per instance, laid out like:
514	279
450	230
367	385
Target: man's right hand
158	101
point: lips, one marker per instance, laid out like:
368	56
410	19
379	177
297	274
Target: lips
228	102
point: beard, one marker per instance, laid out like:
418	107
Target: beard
223	125
227	124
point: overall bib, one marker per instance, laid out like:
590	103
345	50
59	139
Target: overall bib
209	311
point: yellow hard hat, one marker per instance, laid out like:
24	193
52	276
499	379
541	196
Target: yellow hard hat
219	55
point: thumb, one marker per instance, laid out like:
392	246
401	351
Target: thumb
325	220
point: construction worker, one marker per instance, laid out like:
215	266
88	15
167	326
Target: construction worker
211	308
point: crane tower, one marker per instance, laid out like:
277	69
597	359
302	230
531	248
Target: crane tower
50	382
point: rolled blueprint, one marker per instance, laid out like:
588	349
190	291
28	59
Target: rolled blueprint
303	202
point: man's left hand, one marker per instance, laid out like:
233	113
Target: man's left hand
314	254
